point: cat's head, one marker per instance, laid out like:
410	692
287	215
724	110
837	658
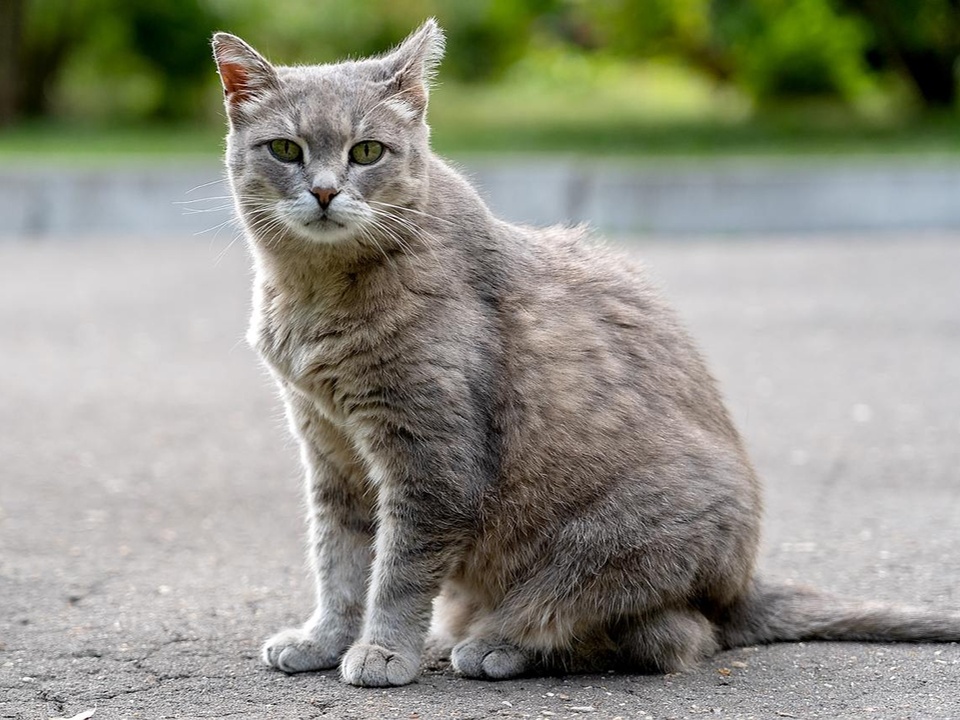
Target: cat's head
328	153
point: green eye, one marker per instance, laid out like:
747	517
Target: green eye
285	151
366	152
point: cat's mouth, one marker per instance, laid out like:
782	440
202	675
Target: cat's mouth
324	229
323	225
324	222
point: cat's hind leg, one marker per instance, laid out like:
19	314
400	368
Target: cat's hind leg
498	650
528	634
511	640
664	641
491	658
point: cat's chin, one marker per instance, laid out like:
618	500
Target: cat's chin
324	231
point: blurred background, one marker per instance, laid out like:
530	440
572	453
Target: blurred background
765	115
619	77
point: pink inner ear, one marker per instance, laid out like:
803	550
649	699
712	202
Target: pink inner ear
411	91
235	81
416	96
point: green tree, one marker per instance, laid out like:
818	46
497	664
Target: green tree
484	36
47	33
11	27
773	48
920	39
792	48
644	28
173	36
135	59
115	40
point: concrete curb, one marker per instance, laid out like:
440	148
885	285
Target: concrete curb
675	197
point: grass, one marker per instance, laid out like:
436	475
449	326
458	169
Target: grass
559	104
760	137
46	141
613	137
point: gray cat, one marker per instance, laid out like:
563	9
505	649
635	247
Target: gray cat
503	428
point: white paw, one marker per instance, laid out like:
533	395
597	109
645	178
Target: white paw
375	666
486	659
297	650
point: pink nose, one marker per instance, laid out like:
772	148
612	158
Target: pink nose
324	195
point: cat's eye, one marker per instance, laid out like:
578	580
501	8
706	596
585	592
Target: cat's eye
285	151
366	152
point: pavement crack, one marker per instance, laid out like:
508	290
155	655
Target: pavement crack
138	663
47	696
120	693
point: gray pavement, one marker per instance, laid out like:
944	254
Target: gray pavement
150	511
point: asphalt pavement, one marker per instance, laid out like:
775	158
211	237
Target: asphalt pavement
150	507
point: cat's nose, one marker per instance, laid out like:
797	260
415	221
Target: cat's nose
324	195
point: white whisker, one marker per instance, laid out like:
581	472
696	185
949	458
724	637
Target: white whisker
404	208
203	199
400	230
201	211
230	244
206	184
368	235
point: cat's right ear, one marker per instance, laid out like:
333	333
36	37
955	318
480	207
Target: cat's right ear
245	74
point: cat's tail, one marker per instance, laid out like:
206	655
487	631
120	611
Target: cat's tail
782	613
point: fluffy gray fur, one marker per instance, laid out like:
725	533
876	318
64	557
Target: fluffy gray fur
503	428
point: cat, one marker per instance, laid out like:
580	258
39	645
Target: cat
505	430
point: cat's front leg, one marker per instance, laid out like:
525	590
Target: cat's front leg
341	536
426	514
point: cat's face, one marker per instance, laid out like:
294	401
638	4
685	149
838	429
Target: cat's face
327	153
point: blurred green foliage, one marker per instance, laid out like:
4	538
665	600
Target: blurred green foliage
918	38
791	48
126	61
114	59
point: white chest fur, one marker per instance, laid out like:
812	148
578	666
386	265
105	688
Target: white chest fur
303	351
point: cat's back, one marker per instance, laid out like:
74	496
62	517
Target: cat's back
589	316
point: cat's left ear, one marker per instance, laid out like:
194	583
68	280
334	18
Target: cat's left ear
246	75
413	64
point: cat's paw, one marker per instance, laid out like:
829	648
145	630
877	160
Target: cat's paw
375	666
489	659
297	650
